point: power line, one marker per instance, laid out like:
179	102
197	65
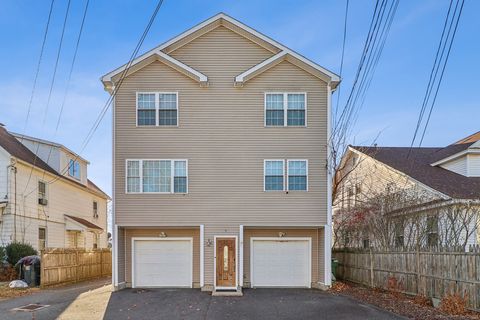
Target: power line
38	68
439	64
115	91
341	60
441	75
380	25
52	83
69	78
431	79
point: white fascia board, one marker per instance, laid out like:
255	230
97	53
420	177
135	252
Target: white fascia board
334	77
163	56
272	59
442	195
455	156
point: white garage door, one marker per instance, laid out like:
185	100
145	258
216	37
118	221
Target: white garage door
162	263
280	263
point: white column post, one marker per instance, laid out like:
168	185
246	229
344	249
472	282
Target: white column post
327	229
115	256
202	257
240	253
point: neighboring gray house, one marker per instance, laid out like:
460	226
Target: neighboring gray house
220	152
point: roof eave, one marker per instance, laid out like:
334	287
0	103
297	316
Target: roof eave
109	84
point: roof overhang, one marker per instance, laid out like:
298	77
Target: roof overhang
78	224
455	156
293	58
111	78
209	24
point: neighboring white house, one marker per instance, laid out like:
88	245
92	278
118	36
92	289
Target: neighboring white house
46	198
431	194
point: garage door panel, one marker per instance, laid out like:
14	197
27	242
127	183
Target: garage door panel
162	263
281	263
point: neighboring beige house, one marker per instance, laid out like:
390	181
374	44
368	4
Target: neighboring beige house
47	200
430	195
220	154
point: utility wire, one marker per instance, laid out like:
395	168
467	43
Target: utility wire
69	78
341	60
115	91
431	78
441	75
440	63
52	83
38	69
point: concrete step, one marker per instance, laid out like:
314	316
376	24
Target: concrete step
227	293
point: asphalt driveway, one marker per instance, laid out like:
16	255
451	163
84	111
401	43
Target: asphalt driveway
94	300
255	304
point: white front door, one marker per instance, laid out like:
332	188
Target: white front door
284	262
162	262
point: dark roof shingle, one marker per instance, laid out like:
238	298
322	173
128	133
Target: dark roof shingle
417	165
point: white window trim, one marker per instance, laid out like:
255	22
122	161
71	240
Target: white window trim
285	109
306	163
265	171
172	176
157	108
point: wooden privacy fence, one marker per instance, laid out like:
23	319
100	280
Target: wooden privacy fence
432	273
60	266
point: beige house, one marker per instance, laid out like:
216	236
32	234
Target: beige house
426	196
220	152
46	198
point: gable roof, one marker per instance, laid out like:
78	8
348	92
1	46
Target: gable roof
16	149
417	165
236	26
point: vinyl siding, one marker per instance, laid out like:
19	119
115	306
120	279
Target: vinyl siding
172	233
314	234
474	165
221	132
459	166
63	198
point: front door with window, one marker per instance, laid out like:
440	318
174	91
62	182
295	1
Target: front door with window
226	263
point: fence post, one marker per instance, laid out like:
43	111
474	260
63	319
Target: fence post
42	267
76	265
417	269
371	268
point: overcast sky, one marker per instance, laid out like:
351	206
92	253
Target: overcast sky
312	28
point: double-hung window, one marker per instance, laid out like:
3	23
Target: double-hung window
157	109
274	175
157	176
296	176
285	109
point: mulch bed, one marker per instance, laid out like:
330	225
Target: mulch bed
401	304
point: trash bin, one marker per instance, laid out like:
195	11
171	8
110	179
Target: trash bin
30	270
334	267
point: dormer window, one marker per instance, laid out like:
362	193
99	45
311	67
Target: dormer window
74	169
